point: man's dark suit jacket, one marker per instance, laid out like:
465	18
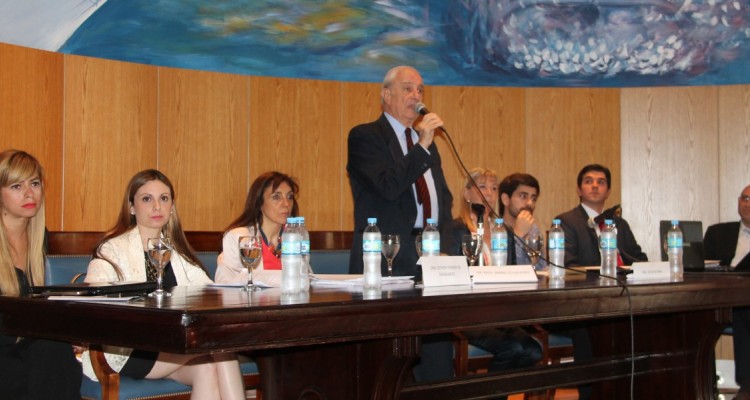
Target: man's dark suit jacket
720	243
582	244
381	179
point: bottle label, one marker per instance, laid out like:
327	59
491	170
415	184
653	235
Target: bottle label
372	246
499	244
304	247
557	243
608	243
674	242
431	245
290	248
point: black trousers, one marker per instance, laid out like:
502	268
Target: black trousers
741	339
33	369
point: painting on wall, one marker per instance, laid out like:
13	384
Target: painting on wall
610	43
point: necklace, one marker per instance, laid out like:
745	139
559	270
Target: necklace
276	251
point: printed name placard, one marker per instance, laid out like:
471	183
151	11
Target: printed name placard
650	271
444	271
504	274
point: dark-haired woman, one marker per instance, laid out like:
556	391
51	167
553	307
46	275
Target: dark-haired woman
270	201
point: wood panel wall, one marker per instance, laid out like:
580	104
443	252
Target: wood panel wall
670	159
31	114
676	152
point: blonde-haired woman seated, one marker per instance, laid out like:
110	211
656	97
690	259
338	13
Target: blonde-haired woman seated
31	369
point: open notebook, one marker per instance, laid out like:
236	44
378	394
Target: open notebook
95	289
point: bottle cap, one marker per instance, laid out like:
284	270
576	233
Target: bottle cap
372	220
498	221
556	221
608	222
430	220
675	222
291	220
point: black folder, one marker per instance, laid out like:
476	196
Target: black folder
95	289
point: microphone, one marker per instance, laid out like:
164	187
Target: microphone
479	210
420	108
610	213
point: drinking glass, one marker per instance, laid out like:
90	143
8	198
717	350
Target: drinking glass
534	246
250	255
471	244
159	252
391	245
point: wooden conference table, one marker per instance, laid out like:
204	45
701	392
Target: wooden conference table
343	344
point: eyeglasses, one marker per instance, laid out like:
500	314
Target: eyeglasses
744	199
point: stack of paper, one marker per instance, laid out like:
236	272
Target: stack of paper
356	280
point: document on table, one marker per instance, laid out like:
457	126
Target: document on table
332	280
95	299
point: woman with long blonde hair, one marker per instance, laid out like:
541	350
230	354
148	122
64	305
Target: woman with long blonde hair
29	368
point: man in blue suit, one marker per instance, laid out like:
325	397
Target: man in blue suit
396	176
729	242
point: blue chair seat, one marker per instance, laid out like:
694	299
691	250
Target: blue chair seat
133	389
559	341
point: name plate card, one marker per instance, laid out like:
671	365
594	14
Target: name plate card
643	271
504	274
444	271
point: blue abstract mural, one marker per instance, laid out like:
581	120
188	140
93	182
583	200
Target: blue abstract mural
615	43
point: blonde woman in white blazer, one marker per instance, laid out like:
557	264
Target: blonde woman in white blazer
148	211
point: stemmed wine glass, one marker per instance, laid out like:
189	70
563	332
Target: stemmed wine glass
159	252
471	244
391	245
250	255
534	246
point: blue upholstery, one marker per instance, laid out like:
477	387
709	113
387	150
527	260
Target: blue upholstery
554	340
131	389
60	270
208	258
329	261
139	389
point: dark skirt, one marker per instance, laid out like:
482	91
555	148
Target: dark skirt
139	364
33	369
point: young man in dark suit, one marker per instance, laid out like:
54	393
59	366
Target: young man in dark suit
581	230
729	242
582	246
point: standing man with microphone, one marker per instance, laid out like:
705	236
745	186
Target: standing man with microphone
396	176
395	170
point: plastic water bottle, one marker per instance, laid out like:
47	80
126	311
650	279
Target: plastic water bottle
291	258
556	250
499	244
674	250
304	246
608	249
372	246
431	239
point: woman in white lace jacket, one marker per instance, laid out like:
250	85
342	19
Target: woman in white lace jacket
148	211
